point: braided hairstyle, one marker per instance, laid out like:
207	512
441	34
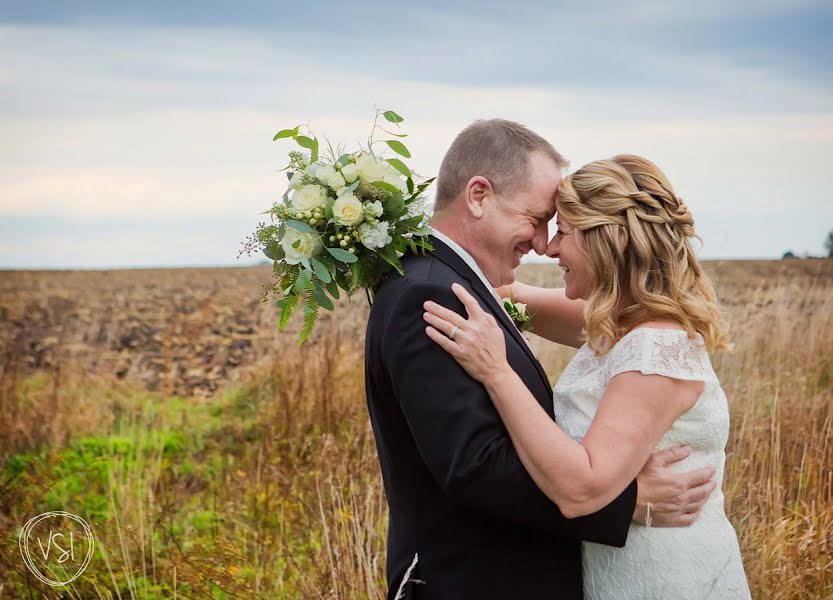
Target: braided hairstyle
636	234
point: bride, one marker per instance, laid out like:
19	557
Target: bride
642	380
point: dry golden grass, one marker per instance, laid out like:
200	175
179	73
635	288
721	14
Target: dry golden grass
271	488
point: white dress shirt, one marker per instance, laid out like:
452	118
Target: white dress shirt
469	260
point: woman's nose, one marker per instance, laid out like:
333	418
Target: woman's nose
552	247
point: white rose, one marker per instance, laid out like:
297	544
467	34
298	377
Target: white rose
350	172
521	308
312	170
308	197
347	210
309	245
375	236
370	169
336	181
296	180
324	172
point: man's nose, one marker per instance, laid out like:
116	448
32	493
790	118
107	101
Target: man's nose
539	240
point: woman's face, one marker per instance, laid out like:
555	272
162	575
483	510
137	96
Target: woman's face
565	247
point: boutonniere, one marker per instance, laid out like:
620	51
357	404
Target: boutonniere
517	312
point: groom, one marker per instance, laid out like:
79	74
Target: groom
466	520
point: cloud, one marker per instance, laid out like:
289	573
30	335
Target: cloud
159	115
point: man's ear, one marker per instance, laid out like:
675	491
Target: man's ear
478	190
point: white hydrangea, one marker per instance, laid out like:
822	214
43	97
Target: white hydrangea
373	209
420	206
375	236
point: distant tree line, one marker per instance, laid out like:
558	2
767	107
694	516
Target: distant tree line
828	246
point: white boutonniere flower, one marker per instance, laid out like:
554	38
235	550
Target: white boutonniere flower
517	312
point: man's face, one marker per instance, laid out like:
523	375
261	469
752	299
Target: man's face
512	226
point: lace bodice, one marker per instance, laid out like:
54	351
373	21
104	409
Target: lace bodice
701	561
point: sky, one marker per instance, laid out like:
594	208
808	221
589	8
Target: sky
140	134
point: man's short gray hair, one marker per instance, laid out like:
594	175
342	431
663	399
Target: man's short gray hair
496	149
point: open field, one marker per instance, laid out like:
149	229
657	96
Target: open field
214	458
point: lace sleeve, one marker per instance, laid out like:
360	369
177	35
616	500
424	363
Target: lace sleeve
667	352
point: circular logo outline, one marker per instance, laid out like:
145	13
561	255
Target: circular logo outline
23	544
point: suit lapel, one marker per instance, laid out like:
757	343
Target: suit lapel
455	261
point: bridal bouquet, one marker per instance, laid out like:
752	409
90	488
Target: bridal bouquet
343	223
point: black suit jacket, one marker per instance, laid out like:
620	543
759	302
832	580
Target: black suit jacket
458	494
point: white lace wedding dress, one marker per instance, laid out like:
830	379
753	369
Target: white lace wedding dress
700	561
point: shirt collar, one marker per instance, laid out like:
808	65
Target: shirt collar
468	259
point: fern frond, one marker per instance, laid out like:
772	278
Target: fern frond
311	309
288	306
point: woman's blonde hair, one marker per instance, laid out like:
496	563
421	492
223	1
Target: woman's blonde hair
653	265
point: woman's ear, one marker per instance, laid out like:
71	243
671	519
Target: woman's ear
478	189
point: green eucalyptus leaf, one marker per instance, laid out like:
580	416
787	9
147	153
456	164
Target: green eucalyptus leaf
274	251
392	117
332	287
388	254
320	296
425	185
342	255
395	206
286	133
305	142
351	188
411	222
310	144
299	226
342	280
302	281
388	187
399	166
398	147
320	270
